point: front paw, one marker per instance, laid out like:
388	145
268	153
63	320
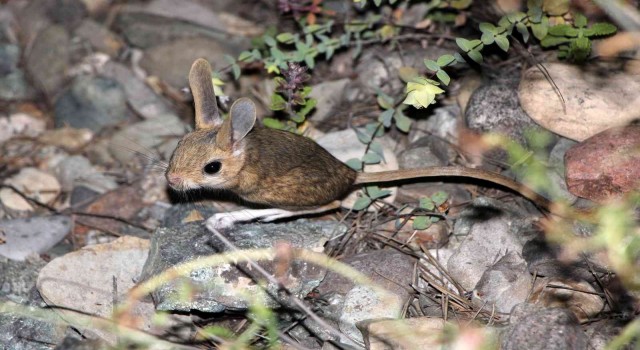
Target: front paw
220	221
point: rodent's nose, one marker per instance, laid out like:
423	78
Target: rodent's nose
174	180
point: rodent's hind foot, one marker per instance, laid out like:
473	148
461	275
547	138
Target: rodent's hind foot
220	221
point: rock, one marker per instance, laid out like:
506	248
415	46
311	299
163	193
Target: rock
48	59
492	229
350	303
503	285
124	202
595	100
406	334
378	68
31	17
92	103
99	37
183	213
601	333
140	96
78	171
494	107
20	124
329	94
225	286
605	166
171	61
442	123
18	278
158	21
22	332
546	260
546	329
425	152
69	139
13	83
159	133
579	297
84	280
345	145
75	343
67	13
32	182
36	235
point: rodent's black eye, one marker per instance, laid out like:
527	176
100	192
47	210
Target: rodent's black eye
213	167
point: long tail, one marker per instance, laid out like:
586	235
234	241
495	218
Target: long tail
454	171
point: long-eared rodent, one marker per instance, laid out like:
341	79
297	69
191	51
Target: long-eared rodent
278	168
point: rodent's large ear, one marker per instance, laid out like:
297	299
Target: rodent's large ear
243	118
207	114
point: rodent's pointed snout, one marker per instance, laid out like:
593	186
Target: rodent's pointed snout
175	181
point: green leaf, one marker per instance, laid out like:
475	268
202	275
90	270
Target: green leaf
432	65
445	60
374	129
535	11
310	61
487	38
486	27
355	164
502	42
270	41
563	30
376	147
371	158
386	117
273	123
459	58
579	20
550	41
362	136
286	38
523	30
475	55
541	29
556	7
601	29
235	69
443	76
402	121
278	102
246	56
464	44
361	203
460	4
308	107
421	223
426	203
439	198
375	192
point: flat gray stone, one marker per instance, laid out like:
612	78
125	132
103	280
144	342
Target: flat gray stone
36	235
48	60
217	288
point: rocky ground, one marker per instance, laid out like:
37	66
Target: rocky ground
94	98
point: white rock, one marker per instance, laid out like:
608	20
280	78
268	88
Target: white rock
594	102
25	237
345	145
84	280
32	182
20	124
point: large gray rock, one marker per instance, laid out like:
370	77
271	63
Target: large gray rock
92	103
545	329
25	237
227	286
18	278
494	107
158	21
492	230
171	61
503	285
351	303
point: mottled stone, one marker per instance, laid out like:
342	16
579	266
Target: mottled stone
605	166
592	101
